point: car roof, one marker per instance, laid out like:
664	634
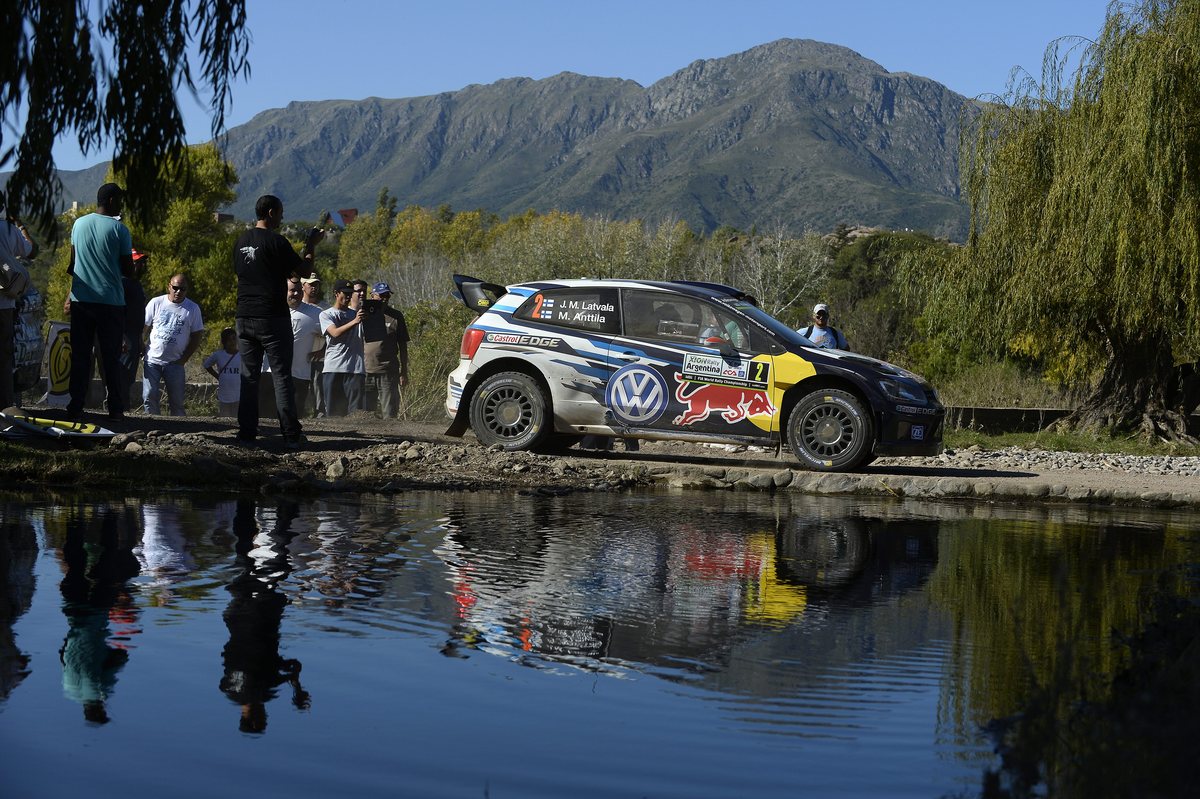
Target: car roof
693	288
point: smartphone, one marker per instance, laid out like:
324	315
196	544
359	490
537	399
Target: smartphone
374	326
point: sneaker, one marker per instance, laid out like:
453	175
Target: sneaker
295	442
116	416
247	443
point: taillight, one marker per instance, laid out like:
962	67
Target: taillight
472	338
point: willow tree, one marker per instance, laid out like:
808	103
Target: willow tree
1085	218
109	71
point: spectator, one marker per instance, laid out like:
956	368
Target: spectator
386	353
174	329
823	334
311	287
135	321
226	366
101	252
15	242
307	340
263	261
344	368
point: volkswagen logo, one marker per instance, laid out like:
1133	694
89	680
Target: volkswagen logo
637	395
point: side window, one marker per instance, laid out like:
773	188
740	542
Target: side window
661	316
719	326
593	309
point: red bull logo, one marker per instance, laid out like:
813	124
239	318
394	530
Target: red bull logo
734	403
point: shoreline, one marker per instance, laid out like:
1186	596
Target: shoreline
364	454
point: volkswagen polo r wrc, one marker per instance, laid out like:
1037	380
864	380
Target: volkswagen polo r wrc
546	363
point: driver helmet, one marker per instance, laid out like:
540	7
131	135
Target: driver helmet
712	335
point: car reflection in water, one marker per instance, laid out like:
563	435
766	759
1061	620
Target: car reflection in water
677	597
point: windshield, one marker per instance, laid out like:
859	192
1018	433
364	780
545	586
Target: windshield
783	332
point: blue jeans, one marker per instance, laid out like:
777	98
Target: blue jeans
343	392
176	378
94	324
273	338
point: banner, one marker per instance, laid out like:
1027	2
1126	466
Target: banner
58	365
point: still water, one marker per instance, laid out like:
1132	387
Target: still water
500	646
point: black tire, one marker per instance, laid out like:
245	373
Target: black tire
829	431
510	409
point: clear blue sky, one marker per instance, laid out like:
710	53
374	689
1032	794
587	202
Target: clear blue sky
351	49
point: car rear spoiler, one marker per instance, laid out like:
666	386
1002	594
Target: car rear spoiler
720	288
476	294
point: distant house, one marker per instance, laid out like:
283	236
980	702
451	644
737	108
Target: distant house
348	215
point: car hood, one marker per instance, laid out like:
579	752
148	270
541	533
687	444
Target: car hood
862	361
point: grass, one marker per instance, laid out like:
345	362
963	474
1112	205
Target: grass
1000	385
1065	442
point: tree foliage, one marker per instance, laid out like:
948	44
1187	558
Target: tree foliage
187	239
110	71
1085	228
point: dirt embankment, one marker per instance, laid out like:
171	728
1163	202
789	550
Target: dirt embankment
361	453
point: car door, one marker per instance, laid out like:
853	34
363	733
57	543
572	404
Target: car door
686	364
565	333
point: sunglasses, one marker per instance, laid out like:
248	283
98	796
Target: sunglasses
178	288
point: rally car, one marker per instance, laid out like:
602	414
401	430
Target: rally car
545	363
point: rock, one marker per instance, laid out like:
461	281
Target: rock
337	469
762	482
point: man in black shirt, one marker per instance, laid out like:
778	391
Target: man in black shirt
263	261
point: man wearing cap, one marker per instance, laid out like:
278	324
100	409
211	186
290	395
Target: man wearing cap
101	253
823	334
15	242
387	356
344	368
263	261
311	288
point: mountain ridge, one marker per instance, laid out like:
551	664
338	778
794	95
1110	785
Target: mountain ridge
794	132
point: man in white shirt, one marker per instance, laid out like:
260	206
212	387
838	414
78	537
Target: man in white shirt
174	329
307	338
310	288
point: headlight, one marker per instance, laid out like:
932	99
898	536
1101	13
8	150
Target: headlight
902	390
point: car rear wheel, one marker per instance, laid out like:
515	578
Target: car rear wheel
829	431
509	409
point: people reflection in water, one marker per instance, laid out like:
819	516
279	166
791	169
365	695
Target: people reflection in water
254	668
18	553
101	614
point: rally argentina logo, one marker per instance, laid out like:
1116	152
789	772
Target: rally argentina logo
636	395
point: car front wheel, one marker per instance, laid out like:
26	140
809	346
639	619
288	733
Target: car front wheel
829	431
509	409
